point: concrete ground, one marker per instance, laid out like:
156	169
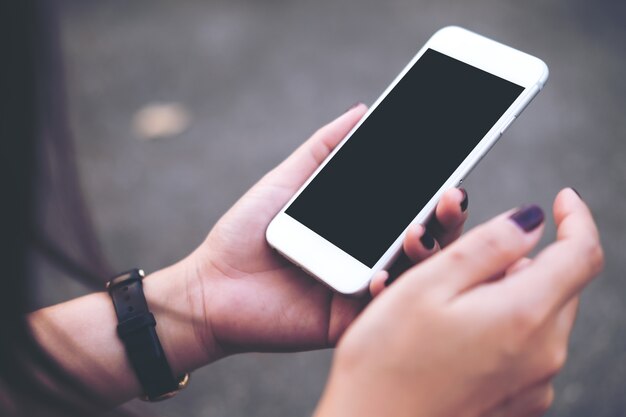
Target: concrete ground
259	77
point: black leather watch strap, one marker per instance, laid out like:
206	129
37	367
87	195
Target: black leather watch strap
136	329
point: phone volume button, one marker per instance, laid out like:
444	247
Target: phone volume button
507	124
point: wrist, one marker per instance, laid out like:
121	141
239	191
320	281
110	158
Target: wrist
81	334
175	296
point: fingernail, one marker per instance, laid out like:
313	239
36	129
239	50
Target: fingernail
357	104
528	218
576	191
465	201
389	280
427	240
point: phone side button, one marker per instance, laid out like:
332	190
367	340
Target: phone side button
507	124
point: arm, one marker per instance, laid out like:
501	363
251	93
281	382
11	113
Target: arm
233	294
81	334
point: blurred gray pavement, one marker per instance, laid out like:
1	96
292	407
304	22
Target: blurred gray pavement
260	77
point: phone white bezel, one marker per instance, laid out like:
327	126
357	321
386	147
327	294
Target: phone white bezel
338	269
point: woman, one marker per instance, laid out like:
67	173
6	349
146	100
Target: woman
473	329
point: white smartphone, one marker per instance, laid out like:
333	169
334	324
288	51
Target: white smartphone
422	136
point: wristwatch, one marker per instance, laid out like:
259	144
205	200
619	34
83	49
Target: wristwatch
137	330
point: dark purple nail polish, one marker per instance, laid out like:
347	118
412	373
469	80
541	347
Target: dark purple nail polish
528	218
427	240
465	201
357	104
576	191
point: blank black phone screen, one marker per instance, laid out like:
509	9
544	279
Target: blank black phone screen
394	163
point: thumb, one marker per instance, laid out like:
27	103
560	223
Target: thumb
299	166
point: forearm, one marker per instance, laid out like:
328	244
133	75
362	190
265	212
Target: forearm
81	334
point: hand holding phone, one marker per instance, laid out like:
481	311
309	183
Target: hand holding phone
247	289
425	133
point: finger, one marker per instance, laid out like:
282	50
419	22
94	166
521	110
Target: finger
550	344
299	166
419	244
562	269
450	216
519	265
483	252
378	283
567	316
532	401
560	327
399	267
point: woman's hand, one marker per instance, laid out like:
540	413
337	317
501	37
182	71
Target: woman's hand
232	294
474	329
251	297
